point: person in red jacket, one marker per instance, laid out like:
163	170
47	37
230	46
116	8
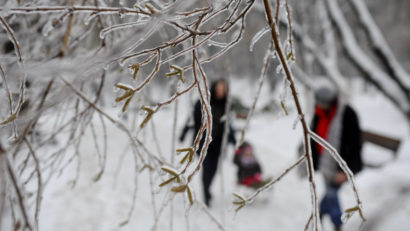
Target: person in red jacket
338	124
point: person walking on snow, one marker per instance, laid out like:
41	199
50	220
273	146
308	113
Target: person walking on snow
338	124
218	103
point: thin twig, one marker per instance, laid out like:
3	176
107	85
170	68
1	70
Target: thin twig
67	33
290	30
213	218
206	109
75	9
340	162
13	38
272	182
154	71
305	127
39	181
20	198
262	76
6	88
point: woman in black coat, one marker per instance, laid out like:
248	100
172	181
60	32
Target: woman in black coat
218	103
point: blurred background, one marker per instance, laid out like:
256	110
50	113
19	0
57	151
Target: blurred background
69	165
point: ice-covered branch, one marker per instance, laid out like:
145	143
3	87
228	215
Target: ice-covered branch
369	69
120	125
266	62
143	38
7	89
326	61
288	75
39	181
212	216
13	39
381	47
345	169
250	199
21	200
74	9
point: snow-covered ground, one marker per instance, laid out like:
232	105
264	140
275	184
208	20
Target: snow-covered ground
103	205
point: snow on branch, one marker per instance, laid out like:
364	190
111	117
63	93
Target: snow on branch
305	129
12	37
381	46
74	9
327	62
89	57
371	70
346	170
242	201
266	62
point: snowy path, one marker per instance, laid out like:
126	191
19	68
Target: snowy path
104	205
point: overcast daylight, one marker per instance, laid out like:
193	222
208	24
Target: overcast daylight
198	115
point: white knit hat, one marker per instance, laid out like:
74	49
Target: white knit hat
325	94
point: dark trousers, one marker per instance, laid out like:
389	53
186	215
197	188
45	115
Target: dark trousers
330	205
209	168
